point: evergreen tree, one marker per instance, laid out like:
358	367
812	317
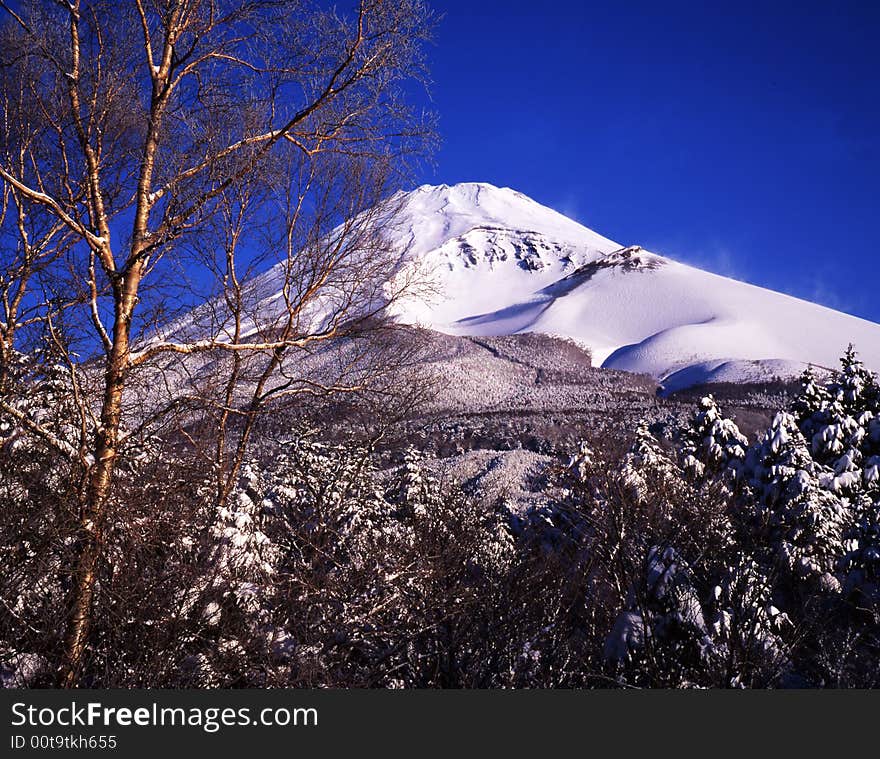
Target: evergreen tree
863	561
853	387
580	462
838	420
412	487
648	467
662	631
811	404
713	443
801	523
40	388
748	631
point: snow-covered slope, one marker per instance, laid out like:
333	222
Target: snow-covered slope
505	264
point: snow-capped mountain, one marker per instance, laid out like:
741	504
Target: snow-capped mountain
501	264
504	264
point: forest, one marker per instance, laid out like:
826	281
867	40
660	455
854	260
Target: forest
687	558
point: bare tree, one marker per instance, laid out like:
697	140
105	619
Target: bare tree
135	133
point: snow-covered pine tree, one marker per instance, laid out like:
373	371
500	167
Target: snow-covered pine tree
811	404
227	604
853	387
838	420
800	522
713	444
862	563
580	462
661	635
37	497
748	632
412	487
38	388
244	555
651	479
646	464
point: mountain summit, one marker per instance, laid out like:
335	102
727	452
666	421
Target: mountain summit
504	264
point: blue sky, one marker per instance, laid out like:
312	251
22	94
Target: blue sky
741	137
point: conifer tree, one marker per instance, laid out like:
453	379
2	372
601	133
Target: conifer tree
801	523
713	443
853	387
811	404
662	631
863	561
748	632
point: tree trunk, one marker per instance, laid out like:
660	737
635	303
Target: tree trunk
93	517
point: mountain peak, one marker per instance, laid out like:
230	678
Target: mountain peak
466	189
506	264
432	215
502	263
